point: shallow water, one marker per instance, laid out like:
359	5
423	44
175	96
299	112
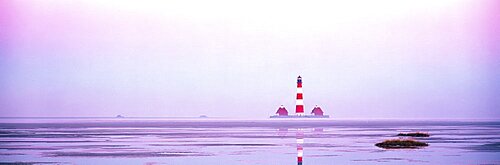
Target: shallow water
226	141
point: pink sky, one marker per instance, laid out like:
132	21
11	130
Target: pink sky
383	59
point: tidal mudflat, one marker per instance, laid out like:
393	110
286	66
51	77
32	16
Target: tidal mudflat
232	141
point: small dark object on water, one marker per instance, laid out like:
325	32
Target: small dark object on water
119	116
415	134
401	143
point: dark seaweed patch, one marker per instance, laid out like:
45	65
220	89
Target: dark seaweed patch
401	143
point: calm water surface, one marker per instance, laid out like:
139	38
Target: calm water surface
230	141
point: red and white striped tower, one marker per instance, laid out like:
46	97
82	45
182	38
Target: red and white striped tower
299	108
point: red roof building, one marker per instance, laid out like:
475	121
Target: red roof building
317	111
282	111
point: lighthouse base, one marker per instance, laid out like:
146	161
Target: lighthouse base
297	116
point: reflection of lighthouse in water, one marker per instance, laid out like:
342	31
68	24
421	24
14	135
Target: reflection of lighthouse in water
300	143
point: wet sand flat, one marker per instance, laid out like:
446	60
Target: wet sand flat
231	141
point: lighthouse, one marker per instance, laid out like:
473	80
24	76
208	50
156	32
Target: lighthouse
299	103
317	112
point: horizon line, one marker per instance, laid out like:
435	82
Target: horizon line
218	117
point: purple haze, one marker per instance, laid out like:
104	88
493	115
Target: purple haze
384	59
